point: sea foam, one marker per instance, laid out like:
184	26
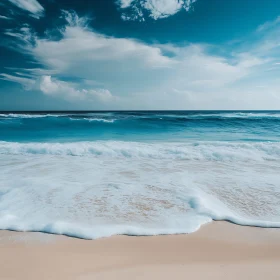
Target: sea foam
142	191
217	151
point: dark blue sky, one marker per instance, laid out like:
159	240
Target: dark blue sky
139	54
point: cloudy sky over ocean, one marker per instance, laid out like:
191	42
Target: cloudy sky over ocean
139	54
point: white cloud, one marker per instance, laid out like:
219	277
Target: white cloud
268	39
268	25
156	9
81	46
125	3
27	83
56	88
60	88
143	76
4	17
35	9
24	35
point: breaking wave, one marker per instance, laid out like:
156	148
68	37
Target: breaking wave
216	151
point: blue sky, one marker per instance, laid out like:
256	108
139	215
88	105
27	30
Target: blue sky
139	54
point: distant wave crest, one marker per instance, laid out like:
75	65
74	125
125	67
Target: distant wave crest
99	116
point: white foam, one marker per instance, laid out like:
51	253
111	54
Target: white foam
217	151
102	120
94	120
140	191
226	115
100	116
29	116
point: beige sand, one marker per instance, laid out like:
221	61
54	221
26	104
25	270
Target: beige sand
217	251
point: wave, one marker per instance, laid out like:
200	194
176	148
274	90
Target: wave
94	120
204	209
28	116
238	115
215	151
98	231
144	115
71	117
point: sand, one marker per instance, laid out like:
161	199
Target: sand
218	251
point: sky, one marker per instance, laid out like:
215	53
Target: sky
139	55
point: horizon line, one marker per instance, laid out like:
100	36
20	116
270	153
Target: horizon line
89	111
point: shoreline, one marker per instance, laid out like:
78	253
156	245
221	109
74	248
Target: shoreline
219	250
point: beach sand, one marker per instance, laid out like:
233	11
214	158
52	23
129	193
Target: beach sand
217	251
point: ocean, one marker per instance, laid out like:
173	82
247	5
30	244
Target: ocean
97	174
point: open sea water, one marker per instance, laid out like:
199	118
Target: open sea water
97	174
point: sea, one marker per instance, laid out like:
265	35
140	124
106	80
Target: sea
97	174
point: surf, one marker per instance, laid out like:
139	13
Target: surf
211	151
97	174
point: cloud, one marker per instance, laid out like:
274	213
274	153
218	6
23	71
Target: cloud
82	53
56	88
24	81
125	3
80	46
267	39
156	9
24	35
60	88
82	65
4	17
268	25
33	7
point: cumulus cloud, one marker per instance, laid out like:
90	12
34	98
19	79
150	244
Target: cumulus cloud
88	55
156	9
145	76
56	88
80	46
60	88
33	7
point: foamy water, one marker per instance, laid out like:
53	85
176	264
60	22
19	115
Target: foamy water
138	173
